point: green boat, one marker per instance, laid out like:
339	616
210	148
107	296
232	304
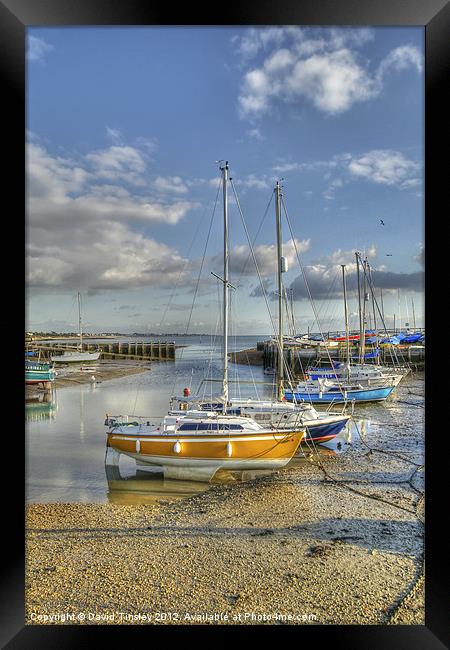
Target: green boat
37	372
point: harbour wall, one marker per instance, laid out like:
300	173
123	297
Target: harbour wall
142	351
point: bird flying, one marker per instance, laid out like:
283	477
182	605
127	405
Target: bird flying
382	222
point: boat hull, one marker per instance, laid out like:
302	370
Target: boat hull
322	432
38	378
338	397
76	357
202	455
38	375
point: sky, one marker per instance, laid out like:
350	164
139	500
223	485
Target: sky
125	128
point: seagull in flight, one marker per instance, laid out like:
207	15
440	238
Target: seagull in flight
382	222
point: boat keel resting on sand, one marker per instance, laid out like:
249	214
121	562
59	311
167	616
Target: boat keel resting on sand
194	447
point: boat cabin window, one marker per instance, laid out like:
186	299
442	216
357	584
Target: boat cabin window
210	426
218	406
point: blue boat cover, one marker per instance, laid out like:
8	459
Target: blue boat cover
368	355
413	338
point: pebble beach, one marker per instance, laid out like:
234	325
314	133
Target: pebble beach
330	540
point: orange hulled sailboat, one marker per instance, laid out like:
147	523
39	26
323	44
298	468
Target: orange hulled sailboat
196	445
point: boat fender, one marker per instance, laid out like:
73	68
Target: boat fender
177	447
138	446
229	449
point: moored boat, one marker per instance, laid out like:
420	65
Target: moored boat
373	386
320	427
327	391
197	445
37	372
77	356
365	374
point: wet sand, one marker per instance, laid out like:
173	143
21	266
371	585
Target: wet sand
105	370
102	371
329	540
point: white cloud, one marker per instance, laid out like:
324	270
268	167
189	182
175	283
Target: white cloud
254	40
170	185
348	257
242	264
256	134
252	181
324	281
330	191
38	48
115	135
399	59
59	188
319	66
97	257
308	166
382	166
332	82
123	163
387	167
420	257
85	234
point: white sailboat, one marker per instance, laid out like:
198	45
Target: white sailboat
365	374
194	444
320	427
343	388
77	356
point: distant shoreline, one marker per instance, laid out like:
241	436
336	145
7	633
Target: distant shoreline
38	336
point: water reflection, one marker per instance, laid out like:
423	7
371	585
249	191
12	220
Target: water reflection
41	406
65	454
147	488
130	483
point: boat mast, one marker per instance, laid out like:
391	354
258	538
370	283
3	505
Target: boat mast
224	170
292	311
280	369
365	298
347	334
374	312
80	330
359	303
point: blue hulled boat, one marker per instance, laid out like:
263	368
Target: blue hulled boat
323	430
320	427
327	392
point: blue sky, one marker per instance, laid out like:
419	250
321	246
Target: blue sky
124	128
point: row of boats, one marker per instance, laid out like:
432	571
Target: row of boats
371	337
200	436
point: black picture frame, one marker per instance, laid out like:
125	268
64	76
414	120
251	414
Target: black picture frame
434	17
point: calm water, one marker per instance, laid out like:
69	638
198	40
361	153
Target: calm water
65	437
